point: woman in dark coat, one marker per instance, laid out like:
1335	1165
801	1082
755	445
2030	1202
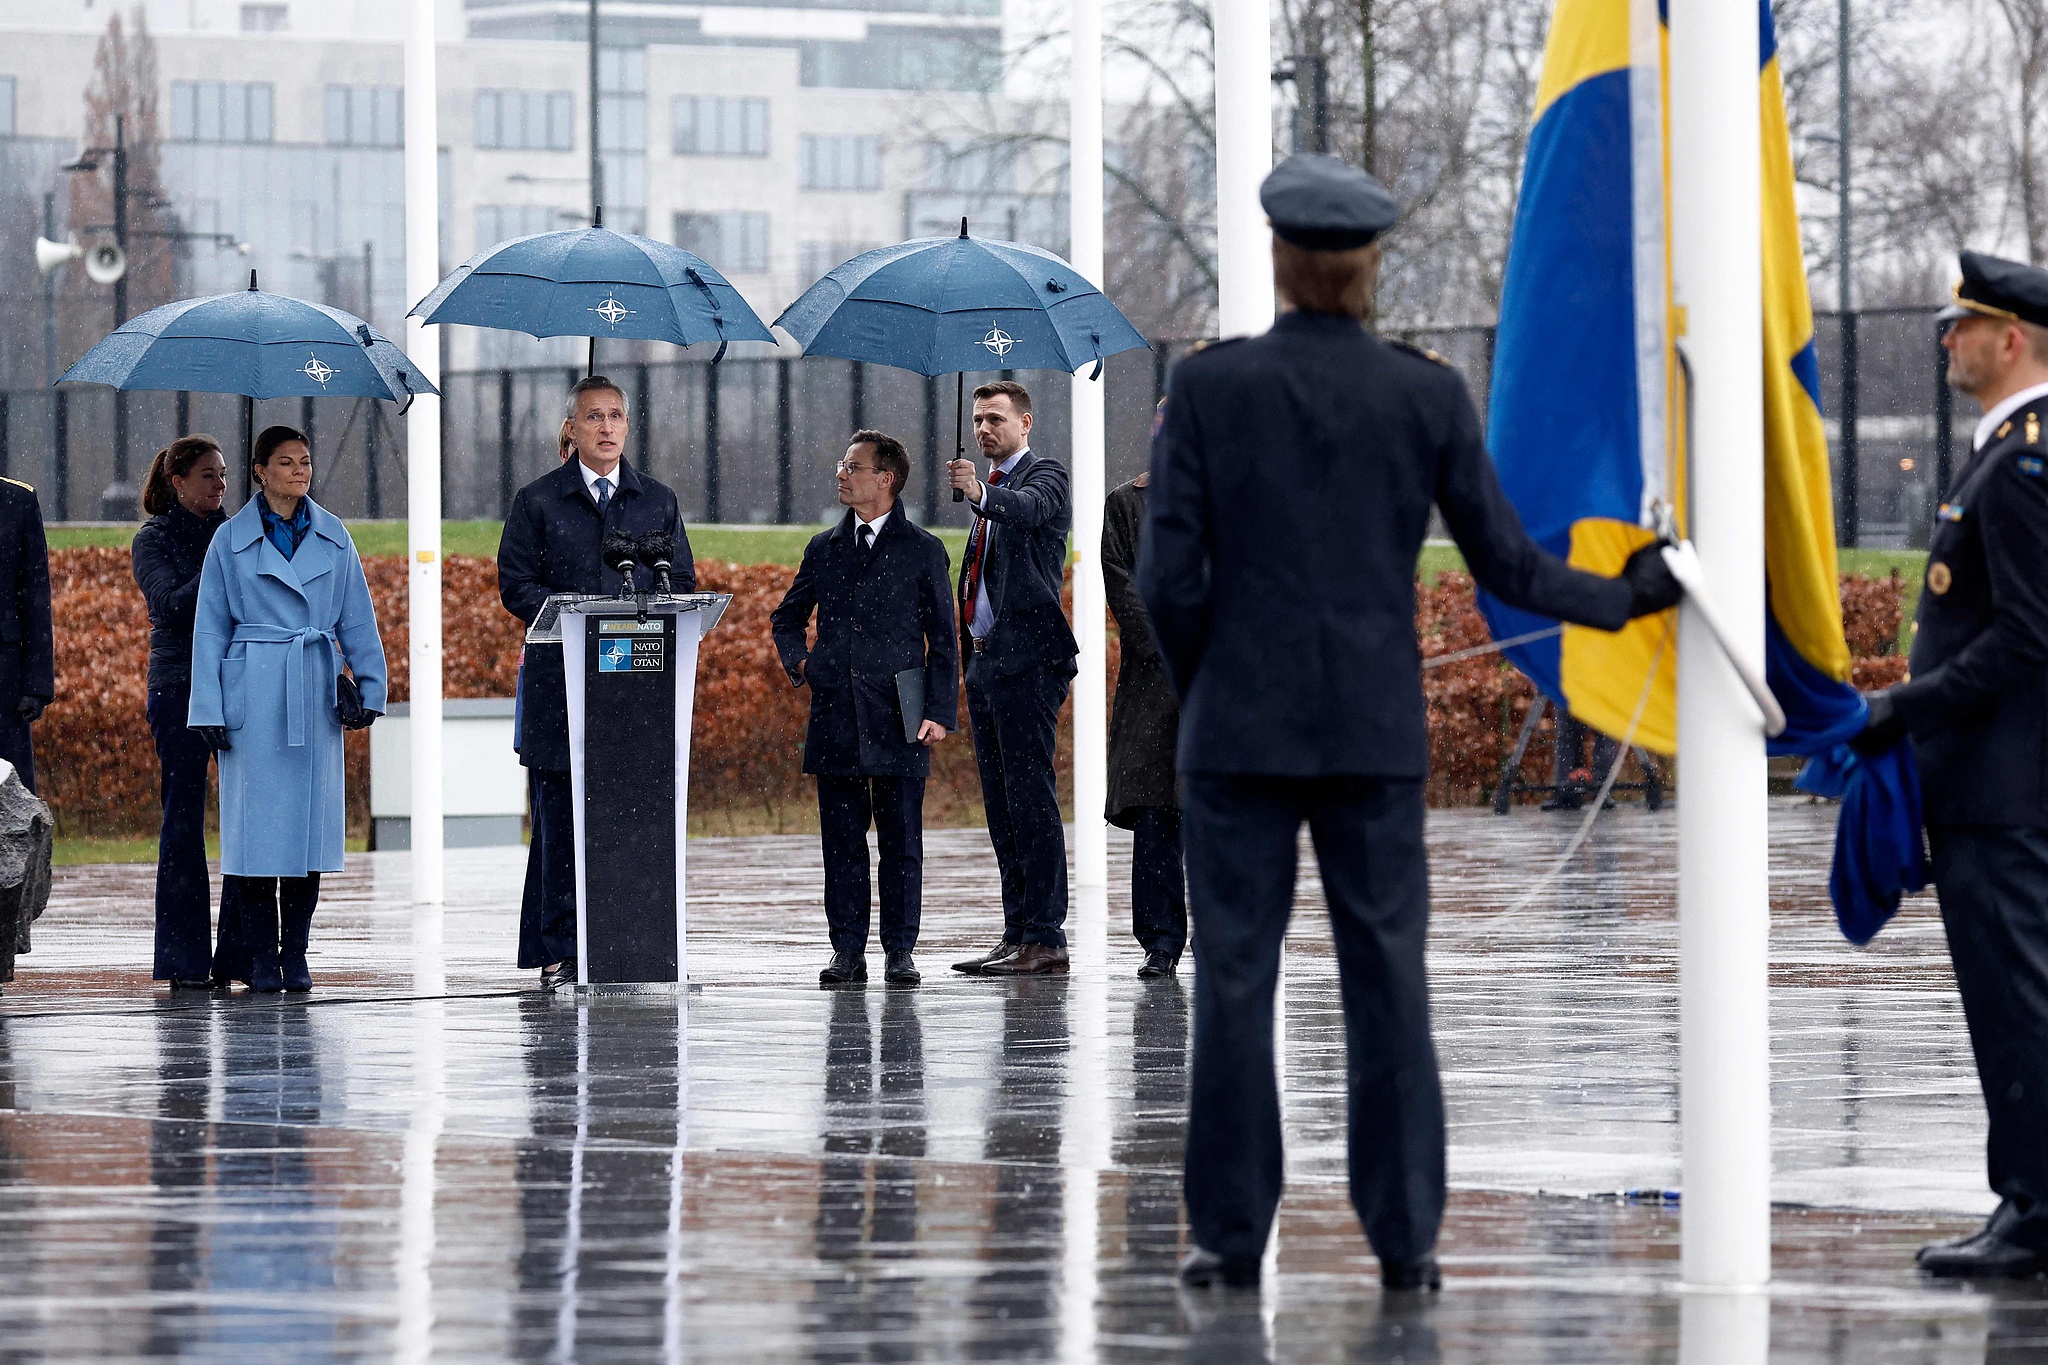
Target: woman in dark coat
182	498
1144	727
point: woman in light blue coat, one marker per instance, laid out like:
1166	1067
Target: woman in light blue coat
283	606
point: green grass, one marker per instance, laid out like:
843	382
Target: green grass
77	850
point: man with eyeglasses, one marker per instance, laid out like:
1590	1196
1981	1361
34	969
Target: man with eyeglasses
883	677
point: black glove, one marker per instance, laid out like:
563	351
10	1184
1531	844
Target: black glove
1882	730
1652	587
360	720
214	737
30	709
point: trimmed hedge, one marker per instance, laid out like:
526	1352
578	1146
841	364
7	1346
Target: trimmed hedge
97	765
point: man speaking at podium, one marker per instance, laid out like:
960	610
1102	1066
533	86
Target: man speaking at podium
883	679
551	544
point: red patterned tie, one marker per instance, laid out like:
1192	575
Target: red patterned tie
977	551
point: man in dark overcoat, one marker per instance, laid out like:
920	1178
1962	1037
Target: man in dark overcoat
1976	709
1144	725
1292	479
1019	651
28	669
551	544
880	587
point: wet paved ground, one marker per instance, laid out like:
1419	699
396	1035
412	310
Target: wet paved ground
429	1158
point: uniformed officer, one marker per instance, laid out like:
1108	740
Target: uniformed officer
28	678
1291	485
1977	711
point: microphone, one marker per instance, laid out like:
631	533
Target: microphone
656	550
617	551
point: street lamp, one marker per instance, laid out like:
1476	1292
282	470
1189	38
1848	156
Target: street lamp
118	499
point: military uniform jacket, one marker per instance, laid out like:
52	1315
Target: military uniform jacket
1292	477
875	619
1145	722
1977	701
27	656
551	544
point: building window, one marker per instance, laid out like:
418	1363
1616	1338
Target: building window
622	102
365	116
265	18
736	243
221	111
815	259
526	120
497	223
839	163
6	106
715	125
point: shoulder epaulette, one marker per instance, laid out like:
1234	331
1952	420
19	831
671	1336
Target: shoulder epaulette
1422	351
17	483
1213	342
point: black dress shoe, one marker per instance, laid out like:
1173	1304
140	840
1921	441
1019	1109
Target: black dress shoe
1201	1268
1981	1256
1158	964
562	974
901	971
974	966
844	969
193	983
1419	1276
1032	959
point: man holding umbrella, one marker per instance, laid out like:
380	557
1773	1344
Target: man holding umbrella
552	544
1020	661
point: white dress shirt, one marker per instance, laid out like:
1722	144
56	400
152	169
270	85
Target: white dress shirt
2004	410
984	618
591	476
875	526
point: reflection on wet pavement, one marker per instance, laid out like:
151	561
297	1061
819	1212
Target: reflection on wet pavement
427	1158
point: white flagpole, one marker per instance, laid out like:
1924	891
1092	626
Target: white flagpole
423	449
1723	886
1244	154
1089	944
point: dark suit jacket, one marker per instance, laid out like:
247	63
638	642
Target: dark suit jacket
550	545
874	620
1292	478
1031	511
1977	705
28	660
1144	725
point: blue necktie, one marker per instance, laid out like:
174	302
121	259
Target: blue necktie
604	496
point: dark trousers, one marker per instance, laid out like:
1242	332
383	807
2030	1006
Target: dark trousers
547	909
265	926
15	746
1016	728
184	894
1993	883
1241	839
895	806
1159	886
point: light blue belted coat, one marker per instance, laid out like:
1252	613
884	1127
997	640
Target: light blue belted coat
268	642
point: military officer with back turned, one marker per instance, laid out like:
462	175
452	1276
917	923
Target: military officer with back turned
1292	480
1976	709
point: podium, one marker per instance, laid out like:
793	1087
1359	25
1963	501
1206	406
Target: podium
630	665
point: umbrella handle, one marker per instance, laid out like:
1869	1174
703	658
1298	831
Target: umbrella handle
959	387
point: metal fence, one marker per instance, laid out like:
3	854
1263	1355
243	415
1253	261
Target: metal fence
755	439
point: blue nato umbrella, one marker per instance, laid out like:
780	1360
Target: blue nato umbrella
946	305
594	282
254	344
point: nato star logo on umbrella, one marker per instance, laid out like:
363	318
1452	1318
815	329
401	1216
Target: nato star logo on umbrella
316	371
611	310
998	342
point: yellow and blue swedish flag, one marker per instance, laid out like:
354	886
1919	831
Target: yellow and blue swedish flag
1571	385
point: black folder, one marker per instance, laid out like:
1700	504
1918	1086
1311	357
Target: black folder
910	697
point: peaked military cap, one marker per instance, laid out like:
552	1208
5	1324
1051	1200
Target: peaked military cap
1321	204
1997	288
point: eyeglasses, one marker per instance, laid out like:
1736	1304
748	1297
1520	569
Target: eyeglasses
849	467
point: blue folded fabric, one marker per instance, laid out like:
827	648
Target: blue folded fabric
1879	854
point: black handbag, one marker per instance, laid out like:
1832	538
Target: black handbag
348	703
